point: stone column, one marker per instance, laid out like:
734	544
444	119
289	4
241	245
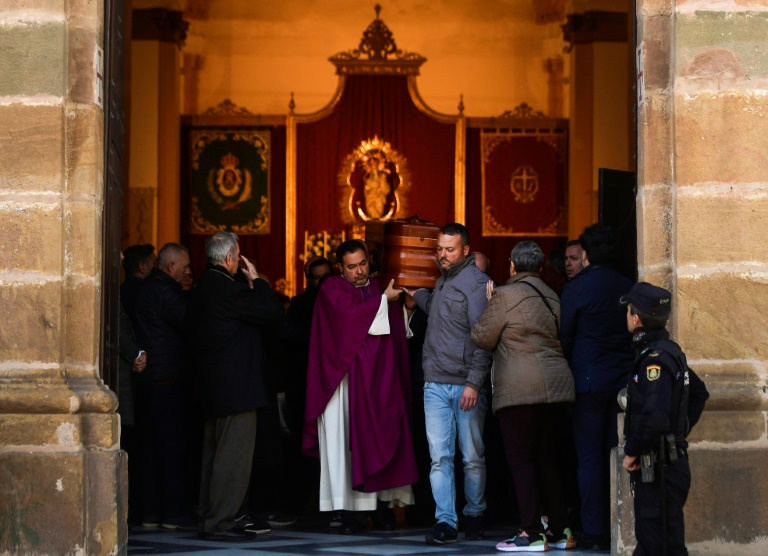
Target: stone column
702	221
62	474
154	179
596	31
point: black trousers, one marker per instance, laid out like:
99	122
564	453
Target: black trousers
160	415
649	526
529	433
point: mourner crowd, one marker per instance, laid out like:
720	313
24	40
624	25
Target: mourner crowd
242	409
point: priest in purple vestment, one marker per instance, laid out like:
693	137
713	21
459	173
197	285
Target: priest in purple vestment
359	391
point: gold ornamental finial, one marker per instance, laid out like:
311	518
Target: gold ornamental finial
291	105
461	103
377	54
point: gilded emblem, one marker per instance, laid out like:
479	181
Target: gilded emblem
229	187
525	184
232	185
374	180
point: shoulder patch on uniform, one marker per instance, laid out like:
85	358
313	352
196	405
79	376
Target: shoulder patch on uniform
653	372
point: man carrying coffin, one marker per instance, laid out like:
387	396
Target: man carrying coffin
358	392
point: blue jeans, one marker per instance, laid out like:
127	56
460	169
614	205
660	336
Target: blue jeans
443	419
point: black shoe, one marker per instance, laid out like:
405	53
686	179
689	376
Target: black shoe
474	531
383	517
351	526
278	519
599	543
252	526
441	534
336	519
184	523
230	535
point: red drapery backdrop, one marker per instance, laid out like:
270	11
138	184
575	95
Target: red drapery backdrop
372	106
497	248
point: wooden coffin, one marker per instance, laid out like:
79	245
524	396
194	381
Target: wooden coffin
409	253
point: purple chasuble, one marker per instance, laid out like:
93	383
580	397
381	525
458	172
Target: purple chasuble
379	384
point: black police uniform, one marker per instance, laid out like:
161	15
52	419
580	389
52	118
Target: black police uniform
665	399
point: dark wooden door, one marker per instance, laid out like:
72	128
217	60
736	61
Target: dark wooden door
618	191
114	148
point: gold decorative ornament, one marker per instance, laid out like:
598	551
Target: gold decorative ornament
377	54
227	108
523	111
374	182
525	184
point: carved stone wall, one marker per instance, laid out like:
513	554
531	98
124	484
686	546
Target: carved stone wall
61	471
702	215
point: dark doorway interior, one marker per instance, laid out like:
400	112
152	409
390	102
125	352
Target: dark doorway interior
617	209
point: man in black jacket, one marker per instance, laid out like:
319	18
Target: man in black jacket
138	262
160	411
226	318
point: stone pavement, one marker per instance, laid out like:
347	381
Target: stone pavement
307	538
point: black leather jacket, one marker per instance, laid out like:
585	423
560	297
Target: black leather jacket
160	312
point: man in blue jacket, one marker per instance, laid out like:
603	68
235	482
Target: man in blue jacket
455	373
599	350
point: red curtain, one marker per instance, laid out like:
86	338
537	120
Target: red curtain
372	106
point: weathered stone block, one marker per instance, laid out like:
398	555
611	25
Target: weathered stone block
728	501
659	275
42	494
722	45
106	472
63	503
706	5
729	426
721	138
655	141
83	241
648	8
720	316
727	508
96	399
654	225
657	40
56	431
85	152
22	226
31	148
102	430
82	43
31	327
35	8
86	13
722	225
81	335
33	60
34	394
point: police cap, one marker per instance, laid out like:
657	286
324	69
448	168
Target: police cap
649	299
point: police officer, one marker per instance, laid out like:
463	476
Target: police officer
664	400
